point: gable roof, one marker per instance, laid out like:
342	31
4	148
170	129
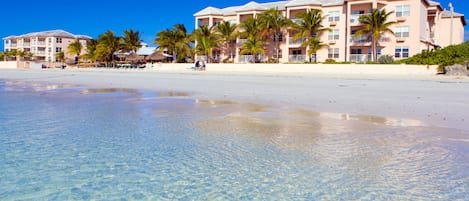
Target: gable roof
209	11
251	6
51	33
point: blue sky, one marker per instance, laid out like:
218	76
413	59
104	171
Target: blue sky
93	17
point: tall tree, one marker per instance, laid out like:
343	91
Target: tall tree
108	44
273	23
60	56
375	24
227	33
175	40
253	46
251	27
75	48
309	28
314	44
131	40
206	41
91	50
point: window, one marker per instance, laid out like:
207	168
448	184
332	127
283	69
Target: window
334	16
58	40
58	49
333	53
403	10
357	51
49	59
7	42
334	34
49	49
401	52
274	53
49	40
401	32
296	52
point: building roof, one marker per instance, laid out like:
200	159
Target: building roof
146	50
447	14
303	2
209	11
251	6
51	33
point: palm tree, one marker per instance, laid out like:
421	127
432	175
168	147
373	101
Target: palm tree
60	56
227	33
253	46
2	56
314	44
375	24
273	23
131	40
91	50
206	41
308	29
75	48
108	44
251	27
175	40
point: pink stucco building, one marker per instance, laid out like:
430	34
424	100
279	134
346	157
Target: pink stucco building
422	25
46	44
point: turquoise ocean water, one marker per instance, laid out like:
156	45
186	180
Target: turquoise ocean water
60	142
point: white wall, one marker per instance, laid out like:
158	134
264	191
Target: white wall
8	64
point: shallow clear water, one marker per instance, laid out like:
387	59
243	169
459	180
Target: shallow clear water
60	142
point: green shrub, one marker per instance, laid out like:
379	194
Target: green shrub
386	59
454	54
330	61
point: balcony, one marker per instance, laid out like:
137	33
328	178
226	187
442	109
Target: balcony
359	58
360	41
13	45
297	43
41	43
41	52
250	58
241	41
354	19
297	58
26	44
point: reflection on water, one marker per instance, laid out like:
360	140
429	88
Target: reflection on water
140	145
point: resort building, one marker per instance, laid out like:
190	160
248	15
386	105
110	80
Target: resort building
45	45
421	25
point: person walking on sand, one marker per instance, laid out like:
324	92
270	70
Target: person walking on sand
203	66
197	65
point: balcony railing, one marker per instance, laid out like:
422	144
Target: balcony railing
13	45
298	58
26	44
241	41
250	58
295	42
41	43
360	58
41	52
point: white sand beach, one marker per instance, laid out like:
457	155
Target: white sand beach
437	101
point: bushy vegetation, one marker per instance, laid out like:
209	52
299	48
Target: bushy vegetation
386	59
454	54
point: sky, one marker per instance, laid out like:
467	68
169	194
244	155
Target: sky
94	17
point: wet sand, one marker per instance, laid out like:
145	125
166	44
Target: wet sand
430	101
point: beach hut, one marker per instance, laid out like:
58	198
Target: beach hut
156	56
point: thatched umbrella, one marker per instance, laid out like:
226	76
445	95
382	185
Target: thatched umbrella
156	56
133	58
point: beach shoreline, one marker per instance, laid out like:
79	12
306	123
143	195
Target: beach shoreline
438	101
